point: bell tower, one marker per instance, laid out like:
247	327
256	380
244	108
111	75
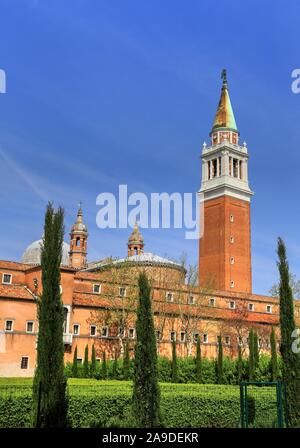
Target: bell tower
225	244
135	242
78	243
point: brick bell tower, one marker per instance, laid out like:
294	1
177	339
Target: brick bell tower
225	244
78	243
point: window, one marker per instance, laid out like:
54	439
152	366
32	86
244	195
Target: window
104	332
232	284
121	332
158	335
24	362
269	309
212	302
79	360
131	333
169	297
29	326
240	340
250	307
122	291
93	330
196	337
65	319
227	340
172	336
9	325
77	242
260	342
205	338
191	300
231	260
60	289
76	329
232	239
96	289
6	278
232	304
182	336
231	218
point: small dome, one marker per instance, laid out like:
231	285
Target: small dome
32	254
135	237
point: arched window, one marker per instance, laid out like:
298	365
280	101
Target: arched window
77	242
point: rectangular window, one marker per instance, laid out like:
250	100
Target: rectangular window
172	336
227	340
24	362
96	289
212	302
6	279
104	332
196	337
205	338
182	336
251	307
158	335
131	333
169	297
269	309
122	291
29	326
9	325
240	340
79	360
93	330
191	300
232	304
76	329
214	167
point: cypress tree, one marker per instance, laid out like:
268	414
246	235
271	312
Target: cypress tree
93	362
115	367
274	363
251	360
49	384
126	362
290	358
255	350
220	376
75	364
104	367
146	392
174	374
198	362
86	362
239	365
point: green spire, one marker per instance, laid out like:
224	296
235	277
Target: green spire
224	117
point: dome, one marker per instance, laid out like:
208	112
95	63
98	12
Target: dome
135	237
32	254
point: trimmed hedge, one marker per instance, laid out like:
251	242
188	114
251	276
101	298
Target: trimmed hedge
182	405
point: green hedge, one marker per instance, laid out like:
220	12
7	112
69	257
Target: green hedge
182	405
186	370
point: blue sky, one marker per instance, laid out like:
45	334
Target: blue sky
102	93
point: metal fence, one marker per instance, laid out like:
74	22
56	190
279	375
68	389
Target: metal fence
262	404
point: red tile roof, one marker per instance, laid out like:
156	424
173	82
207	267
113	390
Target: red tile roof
16	292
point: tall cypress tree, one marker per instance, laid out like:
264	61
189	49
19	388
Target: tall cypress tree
291	359
174	374
104	367
126	363
146	392
198	362
251	359
75	364
86	362
220	376
255	350
274	362
49	384
239	365
93	362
